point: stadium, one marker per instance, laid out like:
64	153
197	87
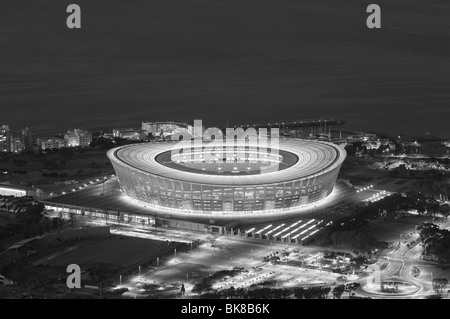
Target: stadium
306	172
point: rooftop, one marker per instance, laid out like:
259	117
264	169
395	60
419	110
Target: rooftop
299	159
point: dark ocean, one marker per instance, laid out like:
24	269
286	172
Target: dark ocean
235	61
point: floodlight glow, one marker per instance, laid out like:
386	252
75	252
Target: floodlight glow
274	229
287	228
303	232
267	227
250	230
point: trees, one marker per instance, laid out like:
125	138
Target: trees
55	223
32	215
432	206
439	284
322	237
47	225
432	187
72	218
444	210
324	291
318	292
102	143
357	262
352	287
350	149
203	286
435	240
427	230
299	293
421	205
308	294
338	291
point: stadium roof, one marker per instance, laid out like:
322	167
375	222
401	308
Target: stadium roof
314	158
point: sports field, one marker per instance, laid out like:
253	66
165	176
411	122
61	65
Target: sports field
123	252
104	257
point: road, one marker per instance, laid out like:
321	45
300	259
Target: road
401	259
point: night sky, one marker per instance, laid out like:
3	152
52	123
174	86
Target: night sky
241	61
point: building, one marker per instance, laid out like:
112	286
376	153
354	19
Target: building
391	146
9	143
52	143
28	139
78	137
372	144
129	134
17	145
412	144
5	138
162	128
16	191
150	175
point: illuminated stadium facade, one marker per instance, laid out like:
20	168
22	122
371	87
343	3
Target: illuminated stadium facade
154	175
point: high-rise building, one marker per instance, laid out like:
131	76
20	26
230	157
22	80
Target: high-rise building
5	138
78	137
28	139
16	145
52	143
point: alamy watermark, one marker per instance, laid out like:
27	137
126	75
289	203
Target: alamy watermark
74	19
236	146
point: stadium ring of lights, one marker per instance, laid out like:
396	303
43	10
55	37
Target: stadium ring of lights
306	174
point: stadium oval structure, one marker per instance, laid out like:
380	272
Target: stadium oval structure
151	175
